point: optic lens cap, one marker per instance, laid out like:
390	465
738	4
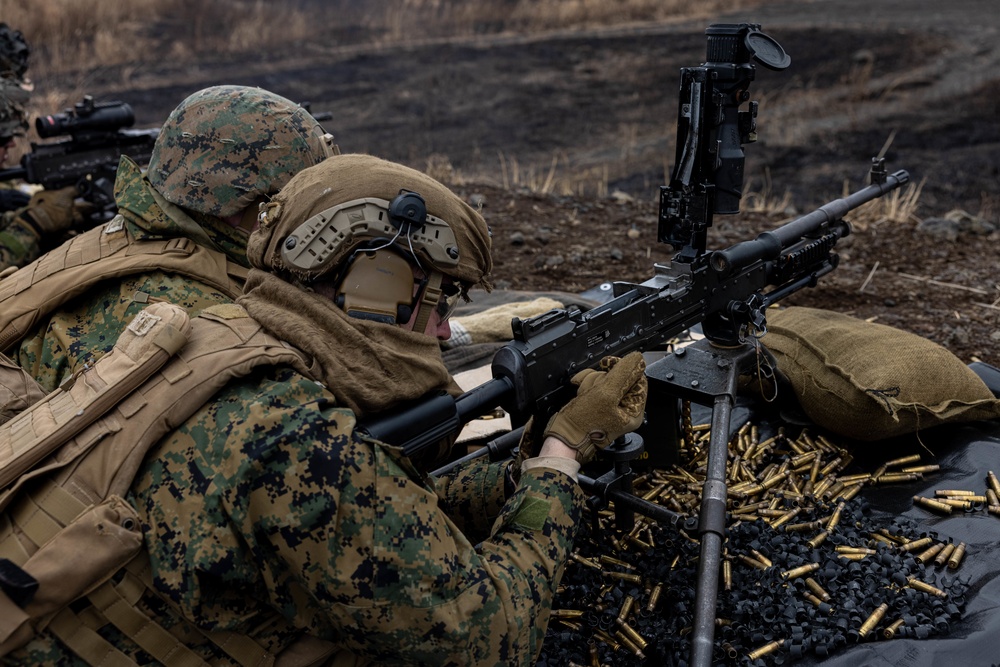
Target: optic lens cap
766	51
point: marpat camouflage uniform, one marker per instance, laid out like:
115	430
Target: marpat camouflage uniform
266	511
19	243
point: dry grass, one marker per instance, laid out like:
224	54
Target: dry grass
74	37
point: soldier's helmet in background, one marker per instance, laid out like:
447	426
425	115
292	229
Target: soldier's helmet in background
226	146
14	53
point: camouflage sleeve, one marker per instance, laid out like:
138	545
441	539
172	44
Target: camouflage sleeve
19	243
267	498
473	495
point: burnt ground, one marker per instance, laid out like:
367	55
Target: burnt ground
915	78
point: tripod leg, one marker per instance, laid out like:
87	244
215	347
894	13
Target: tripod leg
712	520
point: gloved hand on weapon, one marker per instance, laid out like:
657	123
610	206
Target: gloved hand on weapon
51	212
609	403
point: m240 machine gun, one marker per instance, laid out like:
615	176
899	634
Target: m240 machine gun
97	135
725	291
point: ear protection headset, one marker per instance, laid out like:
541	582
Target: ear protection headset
386	241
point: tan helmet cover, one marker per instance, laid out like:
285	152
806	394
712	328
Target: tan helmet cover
347	178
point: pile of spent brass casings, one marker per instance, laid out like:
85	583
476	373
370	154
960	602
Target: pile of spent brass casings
807	569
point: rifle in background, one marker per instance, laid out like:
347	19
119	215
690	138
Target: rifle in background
97	135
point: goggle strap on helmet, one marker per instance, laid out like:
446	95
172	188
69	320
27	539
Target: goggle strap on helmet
428	301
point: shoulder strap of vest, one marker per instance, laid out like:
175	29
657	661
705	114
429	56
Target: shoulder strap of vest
103	253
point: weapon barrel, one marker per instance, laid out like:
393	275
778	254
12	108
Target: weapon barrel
768	245
428	422
13	173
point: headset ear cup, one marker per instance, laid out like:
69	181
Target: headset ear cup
403	314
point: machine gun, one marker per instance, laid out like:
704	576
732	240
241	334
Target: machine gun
88	158
726	291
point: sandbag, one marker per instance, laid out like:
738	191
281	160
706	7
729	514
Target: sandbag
870	381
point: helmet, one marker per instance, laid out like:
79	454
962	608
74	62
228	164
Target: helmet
365	224
14	53
226	146
13	117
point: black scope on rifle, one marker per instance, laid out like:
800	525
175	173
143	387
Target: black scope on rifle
86	117
711	129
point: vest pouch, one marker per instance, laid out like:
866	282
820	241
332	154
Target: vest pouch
18	390
80	557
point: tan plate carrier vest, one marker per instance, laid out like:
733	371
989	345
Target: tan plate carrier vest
66	462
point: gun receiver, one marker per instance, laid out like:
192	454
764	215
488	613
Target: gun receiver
88	158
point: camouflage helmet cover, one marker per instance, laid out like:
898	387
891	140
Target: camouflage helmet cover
13	116
225	146
14	53
347	178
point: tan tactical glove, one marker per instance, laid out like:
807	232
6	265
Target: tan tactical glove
609	403
493	324
53	211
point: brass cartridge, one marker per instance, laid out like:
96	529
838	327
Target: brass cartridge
602	636
929	553
913	545
761	557
814	586
593	655
752	562
835	517
925	587
852	491
902	461
922	469
891	631
892	477
944	554
654	597
818	539
993	482
956	556
800	571
992	498
727	575
951	493
630	645
933	505
766	649
626	608
959	503
611	560
873	620
785	518
567	613
634	578
584	561
803	527
864	551
633	636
